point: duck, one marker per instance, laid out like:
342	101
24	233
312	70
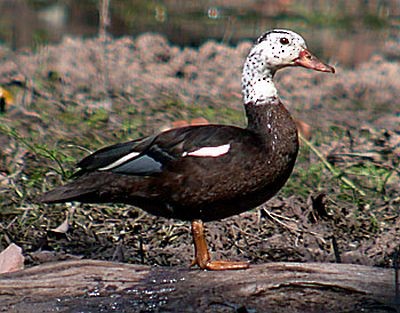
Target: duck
203	173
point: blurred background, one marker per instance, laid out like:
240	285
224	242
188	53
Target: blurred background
67	89
350	30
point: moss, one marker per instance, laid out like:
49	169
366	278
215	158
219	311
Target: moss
97	118
375	21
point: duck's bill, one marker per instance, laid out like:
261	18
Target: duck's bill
308	60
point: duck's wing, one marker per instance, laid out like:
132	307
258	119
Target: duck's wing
203	156
151	155
112	157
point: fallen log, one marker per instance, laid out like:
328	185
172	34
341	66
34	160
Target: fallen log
93	286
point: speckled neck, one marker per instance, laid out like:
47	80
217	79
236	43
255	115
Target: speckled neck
269	117
275	127
257	79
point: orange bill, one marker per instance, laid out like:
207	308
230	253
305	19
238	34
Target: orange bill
308	60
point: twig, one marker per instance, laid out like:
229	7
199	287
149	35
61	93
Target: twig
336	250
336	173
105	22
104	17
273	217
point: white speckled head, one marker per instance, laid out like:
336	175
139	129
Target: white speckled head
279	47
272	51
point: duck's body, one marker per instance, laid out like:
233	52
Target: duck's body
174	175
206	172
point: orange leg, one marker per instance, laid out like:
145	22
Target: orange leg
202	256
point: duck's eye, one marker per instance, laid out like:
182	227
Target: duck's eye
284	41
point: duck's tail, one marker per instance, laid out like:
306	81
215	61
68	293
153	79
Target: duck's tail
68	193
86	188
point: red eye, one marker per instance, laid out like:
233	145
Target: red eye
284	41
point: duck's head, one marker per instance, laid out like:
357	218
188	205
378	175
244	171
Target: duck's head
280	48
272	51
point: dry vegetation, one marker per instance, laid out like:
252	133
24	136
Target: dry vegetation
341	203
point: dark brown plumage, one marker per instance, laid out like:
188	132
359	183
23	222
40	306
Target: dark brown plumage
207	172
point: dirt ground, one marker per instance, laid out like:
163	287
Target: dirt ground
340	205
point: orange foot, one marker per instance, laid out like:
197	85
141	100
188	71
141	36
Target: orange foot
202	256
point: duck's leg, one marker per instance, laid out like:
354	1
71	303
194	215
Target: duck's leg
202	256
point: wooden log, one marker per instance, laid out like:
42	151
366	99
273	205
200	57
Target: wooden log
93	286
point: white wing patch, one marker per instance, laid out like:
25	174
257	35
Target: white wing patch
209	151
120	161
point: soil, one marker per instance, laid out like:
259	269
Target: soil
86	93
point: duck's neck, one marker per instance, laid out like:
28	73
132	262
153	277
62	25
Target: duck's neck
265	113
257	80
260	95
275	127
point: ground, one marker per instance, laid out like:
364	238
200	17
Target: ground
340	205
